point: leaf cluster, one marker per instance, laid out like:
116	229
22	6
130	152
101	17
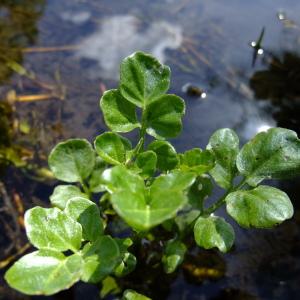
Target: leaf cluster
148	185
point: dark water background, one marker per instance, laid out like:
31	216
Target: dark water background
76	46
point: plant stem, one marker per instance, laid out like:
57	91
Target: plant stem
86	188
221	201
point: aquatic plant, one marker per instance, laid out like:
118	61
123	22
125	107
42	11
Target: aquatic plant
148	185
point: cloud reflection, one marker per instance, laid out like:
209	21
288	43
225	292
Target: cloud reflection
119	36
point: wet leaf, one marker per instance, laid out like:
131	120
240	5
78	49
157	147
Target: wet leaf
87	214
166	155
44	272
197	161
132	295
164	116
146	161
63	193
143	78
173	255
52	229
112	147
119	114
224	144
261	207
143	208
109	287
72	160
100	259
199	191
271	154
212	231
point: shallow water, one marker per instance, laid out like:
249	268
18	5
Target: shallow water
76	47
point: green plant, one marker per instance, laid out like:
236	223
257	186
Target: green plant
148	185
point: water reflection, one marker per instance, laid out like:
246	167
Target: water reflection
118	36
280	84
18	29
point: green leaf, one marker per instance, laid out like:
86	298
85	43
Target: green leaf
112	147
212	231
52	229
197	161
72	160
143	208
164	116
143	78
199	191
173	255
262	207
146	161
87	214
119	114
132	295
63	193
183	221
224	144
44	272
166	155
128	263
95	182
109	287
100	259
271	154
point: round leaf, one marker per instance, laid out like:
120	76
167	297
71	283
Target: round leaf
72	161
132	295
44	272
197	161
166	155
173	255
100	259
63	193
95	183
87	214
119	114
271	154
52	229
262	207
142	208
112	147
143	78
146	161
211	232
164	116
224	144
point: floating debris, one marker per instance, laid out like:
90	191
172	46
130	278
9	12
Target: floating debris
194	90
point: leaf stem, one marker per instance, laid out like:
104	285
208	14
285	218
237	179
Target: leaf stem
221	201
85	188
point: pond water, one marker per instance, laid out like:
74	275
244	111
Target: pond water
64	54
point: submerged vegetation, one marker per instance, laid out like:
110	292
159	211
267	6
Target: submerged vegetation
120	196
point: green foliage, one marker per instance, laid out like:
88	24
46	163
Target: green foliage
262	207
213	232
148	186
